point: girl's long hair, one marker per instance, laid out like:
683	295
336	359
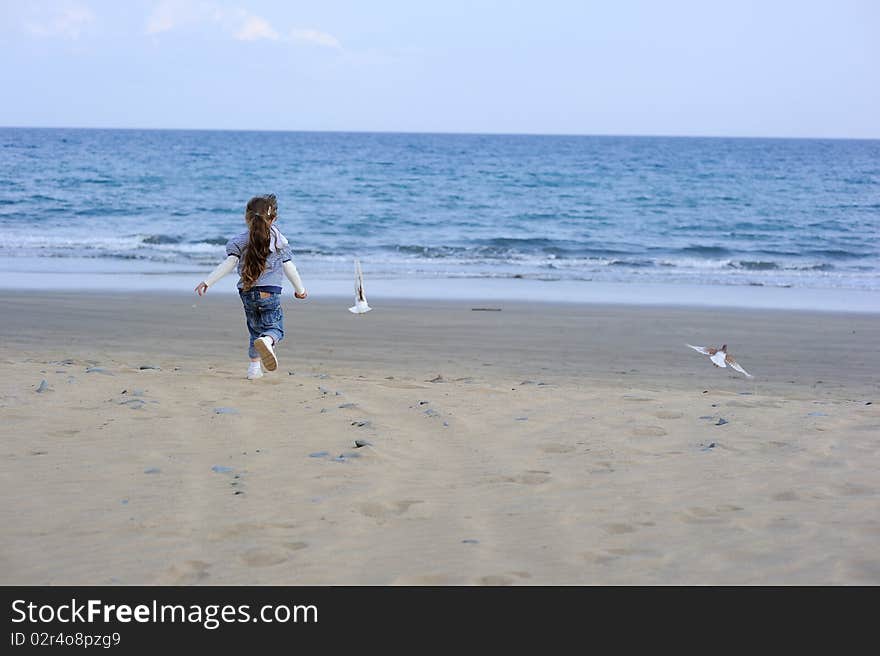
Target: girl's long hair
261	210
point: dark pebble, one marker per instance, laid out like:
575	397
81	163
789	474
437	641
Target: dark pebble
152	470
225	411
148	366
721	421
358	444
424	402
237	492
867	402
43	386
323	390
446	424
291	373
711	445
361	424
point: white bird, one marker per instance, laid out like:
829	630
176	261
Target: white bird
720	357
360	298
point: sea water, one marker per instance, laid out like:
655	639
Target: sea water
444	211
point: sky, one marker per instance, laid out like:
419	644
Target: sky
761	68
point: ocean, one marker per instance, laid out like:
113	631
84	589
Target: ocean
574	210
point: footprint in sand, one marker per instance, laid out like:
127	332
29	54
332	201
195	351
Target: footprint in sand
752	404
618	529
556	448
636	552
186	572
668	414
603	467
697	515
380	512
64	433
599	558
855	490
263	557
530	477
648	431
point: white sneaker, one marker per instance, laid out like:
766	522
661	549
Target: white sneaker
267	353
255	370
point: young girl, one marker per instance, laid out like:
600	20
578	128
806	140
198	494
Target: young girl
261	255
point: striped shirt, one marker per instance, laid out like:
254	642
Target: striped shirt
270	280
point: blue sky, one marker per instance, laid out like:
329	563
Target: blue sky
673	67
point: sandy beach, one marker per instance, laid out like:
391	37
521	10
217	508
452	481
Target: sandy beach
520	443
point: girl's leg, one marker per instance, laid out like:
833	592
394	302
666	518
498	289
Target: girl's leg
266	326
253	324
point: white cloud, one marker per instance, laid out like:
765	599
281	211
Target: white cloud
255	28
316	37
69	23
242	25
171	14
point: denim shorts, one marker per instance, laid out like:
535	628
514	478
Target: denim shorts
264	317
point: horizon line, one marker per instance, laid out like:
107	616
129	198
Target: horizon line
439	133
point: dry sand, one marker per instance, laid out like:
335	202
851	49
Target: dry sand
542	444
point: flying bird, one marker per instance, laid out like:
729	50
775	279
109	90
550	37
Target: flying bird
360	298
720	357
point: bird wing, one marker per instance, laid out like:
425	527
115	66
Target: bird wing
733	363
718	358
359	294
702	349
